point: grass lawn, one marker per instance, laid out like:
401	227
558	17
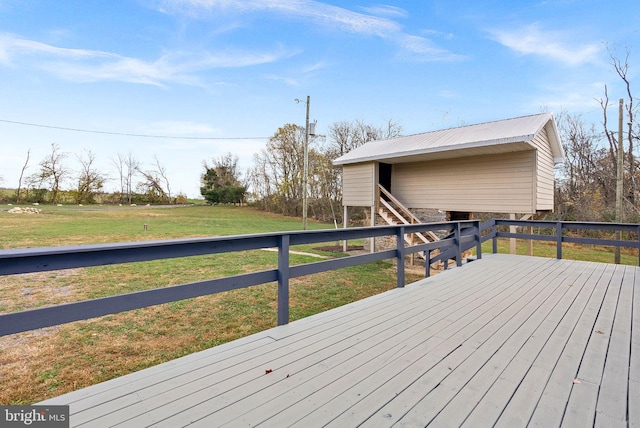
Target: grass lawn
570	251
44	363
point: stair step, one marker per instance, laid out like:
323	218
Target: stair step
392	215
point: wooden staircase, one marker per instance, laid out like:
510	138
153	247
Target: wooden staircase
393	212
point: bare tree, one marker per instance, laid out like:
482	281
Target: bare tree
162	172
89	179
151	186
131	169
24	168
155	183
54	171
119	163
585	189
622	68
346	136
611	136
391	129
259	181
341	134
35	186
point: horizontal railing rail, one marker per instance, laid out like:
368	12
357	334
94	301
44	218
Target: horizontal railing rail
459	237
556	231
19	261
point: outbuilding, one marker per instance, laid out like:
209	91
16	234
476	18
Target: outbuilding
505	166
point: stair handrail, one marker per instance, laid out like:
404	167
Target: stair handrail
402	208
399	204
409	237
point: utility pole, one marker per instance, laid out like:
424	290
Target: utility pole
619	179
305	169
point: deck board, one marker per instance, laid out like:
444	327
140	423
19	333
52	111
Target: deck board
634	358
489	405
551	406
532	384
504	341
449	404
584	392
612	397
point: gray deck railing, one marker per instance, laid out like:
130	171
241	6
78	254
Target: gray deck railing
458	237
30	260
556	231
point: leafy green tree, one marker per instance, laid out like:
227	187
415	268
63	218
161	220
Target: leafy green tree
221	181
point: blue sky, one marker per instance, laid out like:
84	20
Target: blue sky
232	68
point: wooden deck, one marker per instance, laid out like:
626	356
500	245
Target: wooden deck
504	341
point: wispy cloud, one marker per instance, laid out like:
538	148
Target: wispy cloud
376	22
319	13
533	40
386	10
12	46
312	68
420	49
93	65
443	35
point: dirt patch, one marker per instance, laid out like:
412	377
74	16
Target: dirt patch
12	343
50	275
31	290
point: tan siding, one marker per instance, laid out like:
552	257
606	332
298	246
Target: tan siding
494	183
358	184
545	176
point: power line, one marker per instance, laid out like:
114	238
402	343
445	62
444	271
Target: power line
126	134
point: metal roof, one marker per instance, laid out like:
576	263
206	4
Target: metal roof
485	138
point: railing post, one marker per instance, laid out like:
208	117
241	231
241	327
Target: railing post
427	263
638	245
494	230
458	244
559	240
479	240
400	255
283	280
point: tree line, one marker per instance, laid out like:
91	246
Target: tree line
586	186
86	183
276	181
